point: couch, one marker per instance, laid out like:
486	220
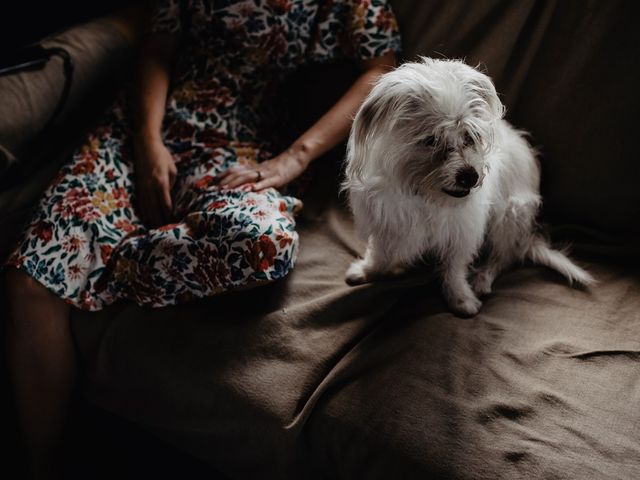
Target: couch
311	378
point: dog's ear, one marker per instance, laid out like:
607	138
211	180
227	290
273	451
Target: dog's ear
482	85
374	117
357	149
364	120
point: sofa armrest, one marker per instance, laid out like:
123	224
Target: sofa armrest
100	50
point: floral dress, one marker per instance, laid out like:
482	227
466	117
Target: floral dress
85	241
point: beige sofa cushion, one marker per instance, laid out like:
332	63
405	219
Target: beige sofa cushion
311	378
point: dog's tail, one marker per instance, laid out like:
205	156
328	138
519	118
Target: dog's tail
540	252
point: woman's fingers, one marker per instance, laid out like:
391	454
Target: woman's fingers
274	181
243	179
155	203
239	177
222	175
165	204
173	175
141	209
232	177
144	207
155	211
267	174
162	195
156	173
149	211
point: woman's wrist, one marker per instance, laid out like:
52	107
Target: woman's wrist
144	140
144	147
147	135
305	151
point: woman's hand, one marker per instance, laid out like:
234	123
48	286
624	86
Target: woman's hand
154	167
155	176
275	173
331	129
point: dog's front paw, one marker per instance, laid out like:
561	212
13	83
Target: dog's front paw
466	306
356	273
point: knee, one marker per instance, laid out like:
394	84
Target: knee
24	292
274	253
283	236
22	286
30	304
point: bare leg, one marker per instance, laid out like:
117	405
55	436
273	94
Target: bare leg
42	368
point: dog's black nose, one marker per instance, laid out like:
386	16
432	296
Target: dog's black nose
467	177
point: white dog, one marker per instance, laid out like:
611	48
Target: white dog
432	168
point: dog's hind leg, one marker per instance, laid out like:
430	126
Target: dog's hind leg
507	240
483	276
377	262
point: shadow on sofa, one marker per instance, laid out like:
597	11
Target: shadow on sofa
310	378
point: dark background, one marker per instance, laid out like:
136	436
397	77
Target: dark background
26	21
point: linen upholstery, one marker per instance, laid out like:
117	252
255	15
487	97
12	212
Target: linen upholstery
310	378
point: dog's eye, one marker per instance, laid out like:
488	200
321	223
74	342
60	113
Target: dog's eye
468	140
441	154
430	141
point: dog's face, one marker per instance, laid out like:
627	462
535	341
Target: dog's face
446	161
430	126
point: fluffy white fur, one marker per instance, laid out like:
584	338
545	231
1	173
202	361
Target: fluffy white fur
433	169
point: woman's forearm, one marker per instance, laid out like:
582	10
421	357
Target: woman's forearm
333	127
154	165
152	86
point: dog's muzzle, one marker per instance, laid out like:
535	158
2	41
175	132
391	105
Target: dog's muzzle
457	193
466	179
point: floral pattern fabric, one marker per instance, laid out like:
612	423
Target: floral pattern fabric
85	241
